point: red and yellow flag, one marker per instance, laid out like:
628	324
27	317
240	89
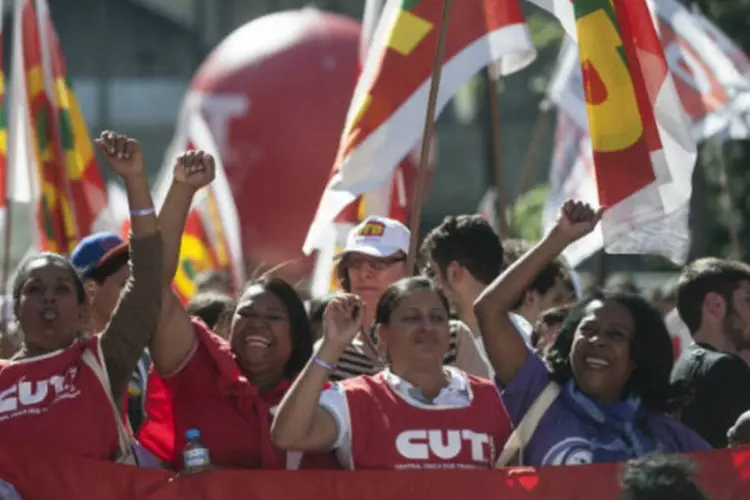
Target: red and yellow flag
71	186
81	167
621	115
387	113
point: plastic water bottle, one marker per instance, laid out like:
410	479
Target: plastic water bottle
195	456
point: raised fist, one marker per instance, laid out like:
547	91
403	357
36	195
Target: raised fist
195	168
122	153
342	319
577	219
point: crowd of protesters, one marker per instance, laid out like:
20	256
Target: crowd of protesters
491	356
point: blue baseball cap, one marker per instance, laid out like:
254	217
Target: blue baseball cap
96	249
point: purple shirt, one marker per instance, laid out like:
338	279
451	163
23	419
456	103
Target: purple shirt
561	438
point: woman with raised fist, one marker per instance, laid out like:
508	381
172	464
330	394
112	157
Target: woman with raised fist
416	414
602	391
64	390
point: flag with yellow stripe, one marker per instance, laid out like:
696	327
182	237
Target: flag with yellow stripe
57	233
387	112
81	169
642	147
73	196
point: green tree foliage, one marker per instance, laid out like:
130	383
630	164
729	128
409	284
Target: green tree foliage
525	216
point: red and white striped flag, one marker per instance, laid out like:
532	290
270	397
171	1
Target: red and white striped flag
389	104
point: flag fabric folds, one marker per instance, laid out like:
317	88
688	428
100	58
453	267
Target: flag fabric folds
51	156
643	152
711	79
388	109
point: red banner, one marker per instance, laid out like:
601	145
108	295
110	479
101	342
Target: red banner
40	475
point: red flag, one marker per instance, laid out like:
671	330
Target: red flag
388	108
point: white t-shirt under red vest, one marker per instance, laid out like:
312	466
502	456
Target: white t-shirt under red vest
56	401
383	423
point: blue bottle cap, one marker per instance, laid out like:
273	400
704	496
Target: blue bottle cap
193	434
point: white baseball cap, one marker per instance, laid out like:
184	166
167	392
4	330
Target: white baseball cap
377	237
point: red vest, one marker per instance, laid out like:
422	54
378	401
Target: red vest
389	433
56	401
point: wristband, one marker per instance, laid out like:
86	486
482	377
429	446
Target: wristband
325	364
142	212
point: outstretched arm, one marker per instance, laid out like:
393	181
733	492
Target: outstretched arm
134	319
505	348
175	336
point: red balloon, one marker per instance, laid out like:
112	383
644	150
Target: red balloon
275	94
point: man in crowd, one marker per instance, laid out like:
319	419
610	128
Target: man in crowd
547	328
713	299
463	255
102	261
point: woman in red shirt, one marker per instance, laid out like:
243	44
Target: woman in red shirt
416	414
64	389
227	389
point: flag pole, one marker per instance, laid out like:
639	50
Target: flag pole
545	110
429	123
497	160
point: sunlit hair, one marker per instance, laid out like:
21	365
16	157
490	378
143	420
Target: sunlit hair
401	289
48	258
650	349
299	326
468	240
